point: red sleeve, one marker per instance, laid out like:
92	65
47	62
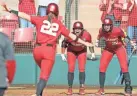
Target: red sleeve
34	19
11	68
100	34
88	37
64	31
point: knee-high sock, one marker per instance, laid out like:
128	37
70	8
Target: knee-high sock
128	87
127	79
40	87
70	79
102	77
82	78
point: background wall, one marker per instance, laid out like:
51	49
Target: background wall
27	71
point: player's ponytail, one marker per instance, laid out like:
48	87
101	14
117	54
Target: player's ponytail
49	18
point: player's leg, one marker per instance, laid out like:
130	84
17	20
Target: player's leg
122	57
71	59
2	91
37	56
82	63
104	61
46	68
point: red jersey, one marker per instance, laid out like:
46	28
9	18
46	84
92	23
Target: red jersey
48	32
75	46
27	6
113	39
132	21
117	11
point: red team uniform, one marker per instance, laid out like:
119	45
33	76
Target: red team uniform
48	29
47	38
114	45
75	51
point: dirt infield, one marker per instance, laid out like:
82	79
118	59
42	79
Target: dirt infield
28	91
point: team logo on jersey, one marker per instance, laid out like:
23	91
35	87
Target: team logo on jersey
114	41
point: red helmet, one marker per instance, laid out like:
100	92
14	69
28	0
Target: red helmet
78	25
52	7
107	22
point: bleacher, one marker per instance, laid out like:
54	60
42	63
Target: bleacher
88	12
22	38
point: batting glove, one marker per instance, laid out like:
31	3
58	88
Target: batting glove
134	46
92	56
97	43
63	57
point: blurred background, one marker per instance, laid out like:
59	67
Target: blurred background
90	12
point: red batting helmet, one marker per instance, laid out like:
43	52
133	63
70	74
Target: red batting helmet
107	22
52	7
78	25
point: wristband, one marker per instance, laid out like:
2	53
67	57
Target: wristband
14	12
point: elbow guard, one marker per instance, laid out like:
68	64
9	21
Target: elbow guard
11	68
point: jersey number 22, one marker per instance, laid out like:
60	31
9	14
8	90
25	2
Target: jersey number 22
49	28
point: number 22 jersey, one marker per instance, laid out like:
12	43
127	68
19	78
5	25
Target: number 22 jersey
47	32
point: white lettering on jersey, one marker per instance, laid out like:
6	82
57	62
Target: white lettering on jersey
49	28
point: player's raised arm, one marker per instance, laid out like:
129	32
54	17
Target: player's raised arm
20	14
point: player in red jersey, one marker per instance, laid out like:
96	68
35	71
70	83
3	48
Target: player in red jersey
77	51
114	45
48	29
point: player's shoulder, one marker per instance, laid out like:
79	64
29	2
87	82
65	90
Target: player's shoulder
57	20
117	28
38	17
43	17
86	32
100	31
